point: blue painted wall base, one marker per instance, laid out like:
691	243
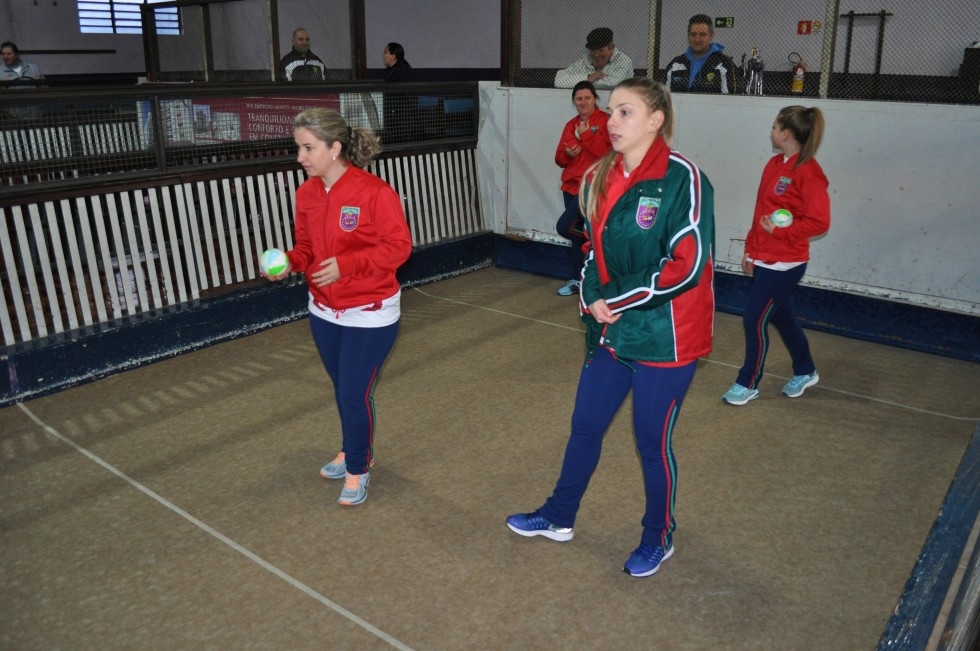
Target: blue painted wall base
861	317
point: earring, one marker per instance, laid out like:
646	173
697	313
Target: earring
335	158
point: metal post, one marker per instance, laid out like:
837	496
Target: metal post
208	43
274	38
829	46
653	39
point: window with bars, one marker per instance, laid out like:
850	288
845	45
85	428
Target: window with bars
123	17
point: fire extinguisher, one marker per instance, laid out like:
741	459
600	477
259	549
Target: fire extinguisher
799	73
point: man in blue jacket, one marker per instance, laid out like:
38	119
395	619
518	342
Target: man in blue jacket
703	68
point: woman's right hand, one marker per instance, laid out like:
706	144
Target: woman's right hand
601	312
747	265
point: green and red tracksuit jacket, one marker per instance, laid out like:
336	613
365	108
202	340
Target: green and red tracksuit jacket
650	256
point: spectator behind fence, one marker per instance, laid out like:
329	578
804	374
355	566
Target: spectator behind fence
301	64
400	109
603	64
14	68
703	68
396	67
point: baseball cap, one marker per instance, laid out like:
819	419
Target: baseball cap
598	37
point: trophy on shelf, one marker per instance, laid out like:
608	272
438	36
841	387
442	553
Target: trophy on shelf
752	72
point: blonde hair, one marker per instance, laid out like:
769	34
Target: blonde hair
806	125
358	145
657	98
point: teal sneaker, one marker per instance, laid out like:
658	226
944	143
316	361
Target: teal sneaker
355	489
800	383
570	288
646	560
739	395
533	524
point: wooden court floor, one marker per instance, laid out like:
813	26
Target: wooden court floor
178	505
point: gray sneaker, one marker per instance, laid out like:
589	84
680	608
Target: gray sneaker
336	469
355	489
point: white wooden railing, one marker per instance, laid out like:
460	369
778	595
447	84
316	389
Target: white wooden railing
87	260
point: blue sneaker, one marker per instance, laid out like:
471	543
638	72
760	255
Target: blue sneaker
569	288
800	383
532	524
646	560
739	395
355	489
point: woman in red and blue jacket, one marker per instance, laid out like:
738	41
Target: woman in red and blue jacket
351	237
648	305
777	250
584	140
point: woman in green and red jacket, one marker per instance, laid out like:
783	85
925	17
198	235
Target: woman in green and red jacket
648	305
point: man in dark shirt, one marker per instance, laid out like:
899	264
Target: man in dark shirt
703	68
301	64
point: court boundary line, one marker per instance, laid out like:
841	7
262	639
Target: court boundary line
852	394
208	529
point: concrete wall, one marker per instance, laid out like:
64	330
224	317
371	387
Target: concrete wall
903	183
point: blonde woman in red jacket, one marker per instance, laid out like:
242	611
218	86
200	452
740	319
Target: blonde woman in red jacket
351	237
584	140
777	250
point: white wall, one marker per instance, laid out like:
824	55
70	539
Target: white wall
436	33
903	183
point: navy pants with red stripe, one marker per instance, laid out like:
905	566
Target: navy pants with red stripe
771	301
658	393
569	226
353	359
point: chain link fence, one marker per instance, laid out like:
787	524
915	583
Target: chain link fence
899	50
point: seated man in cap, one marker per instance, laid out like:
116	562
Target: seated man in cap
603	65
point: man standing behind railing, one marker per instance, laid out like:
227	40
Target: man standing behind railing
301	64
14	68
703	67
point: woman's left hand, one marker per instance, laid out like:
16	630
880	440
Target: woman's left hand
328	273
601	312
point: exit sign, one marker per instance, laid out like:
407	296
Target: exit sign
725	22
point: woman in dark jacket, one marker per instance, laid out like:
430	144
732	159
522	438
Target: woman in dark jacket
396	67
